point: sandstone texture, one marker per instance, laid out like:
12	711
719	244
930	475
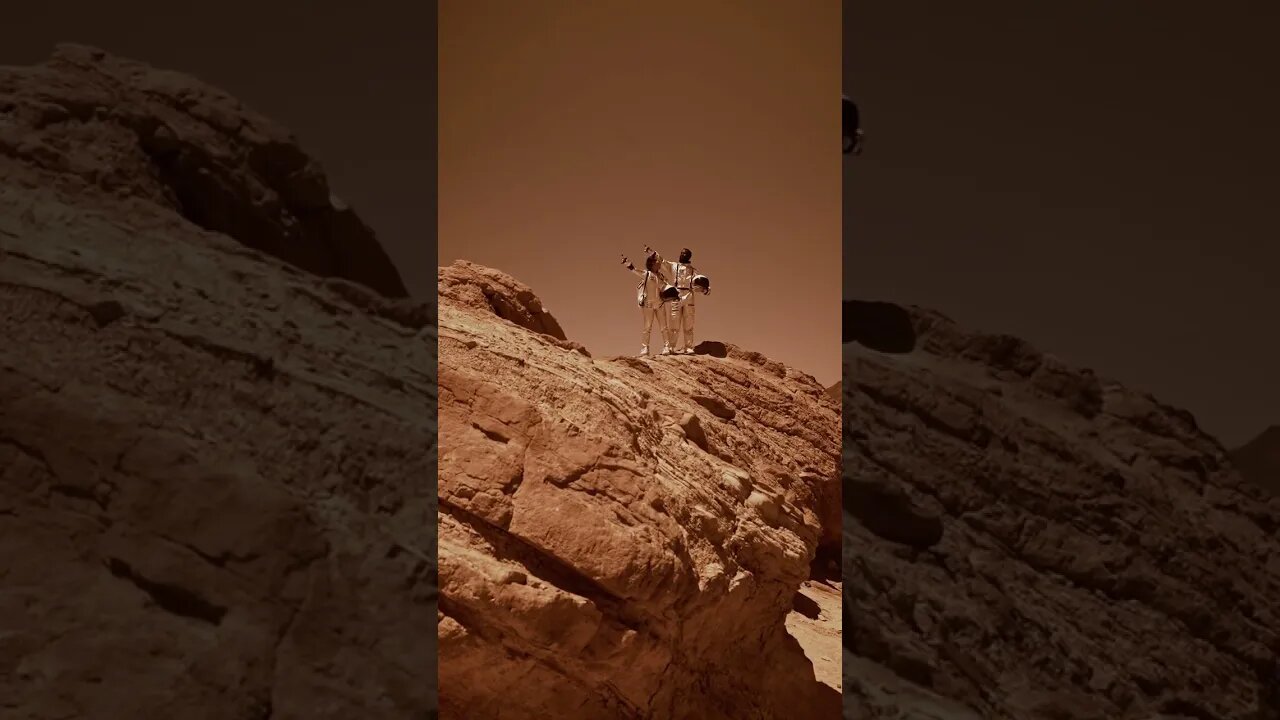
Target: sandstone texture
622	538
216	440
1024	540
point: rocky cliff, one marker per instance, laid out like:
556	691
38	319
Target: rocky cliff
1025	540
138	135
622	538
216	465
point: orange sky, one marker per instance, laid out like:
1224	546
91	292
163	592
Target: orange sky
571	132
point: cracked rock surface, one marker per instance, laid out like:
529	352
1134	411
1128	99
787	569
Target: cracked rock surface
623	538
1024	540
215	465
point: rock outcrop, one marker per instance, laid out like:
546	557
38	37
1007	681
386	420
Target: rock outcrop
477	286
216	466
622	538
1259	460
145	136
1025	540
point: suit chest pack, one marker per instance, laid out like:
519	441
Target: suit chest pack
683	273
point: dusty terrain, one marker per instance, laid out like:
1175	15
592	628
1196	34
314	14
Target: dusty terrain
217	445
623	538
1025	540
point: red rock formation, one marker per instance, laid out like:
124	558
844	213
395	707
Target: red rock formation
621	538
1026	541
479	287
215	493
137	135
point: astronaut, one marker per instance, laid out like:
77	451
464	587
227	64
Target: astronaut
649	298
681	309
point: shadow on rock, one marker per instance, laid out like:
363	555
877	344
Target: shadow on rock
885	509
806	606
881	326
713	348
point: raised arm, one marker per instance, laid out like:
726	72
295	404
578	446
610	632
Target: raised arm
627	264
651	251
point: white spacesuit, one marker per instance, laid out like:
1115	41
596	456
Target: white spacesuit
681	309
651	304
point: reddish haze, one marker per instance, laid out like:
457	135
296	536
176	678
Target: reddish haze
571	132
